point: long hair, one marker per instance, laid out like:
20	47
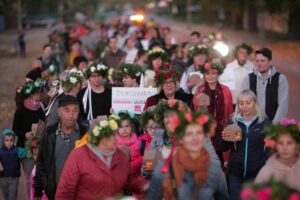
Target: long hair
248	94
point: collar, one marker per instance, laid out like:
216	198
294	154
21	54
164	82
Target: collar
246	123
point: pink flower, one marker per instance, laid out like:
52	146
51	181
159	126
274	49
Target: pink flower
34	144
188	116
269	142
246	193
172	102
294	196
202	119
173	124
207	66
287	121
264	194
181	106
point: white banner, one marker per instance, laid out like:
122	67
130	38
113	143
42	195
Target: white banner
130	99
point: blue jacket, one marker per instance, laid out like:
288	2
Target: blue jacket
10	158
249	155
215	187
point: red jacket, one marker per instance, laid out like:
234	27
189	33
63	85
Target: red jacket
86	177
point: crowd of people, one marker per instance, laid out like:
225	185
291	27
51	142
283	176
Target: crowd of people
213	125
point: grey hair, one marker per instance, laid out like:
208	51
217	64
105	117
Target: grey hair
250	94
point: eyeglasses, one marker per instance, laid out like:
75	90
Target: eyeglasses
153	128
170	83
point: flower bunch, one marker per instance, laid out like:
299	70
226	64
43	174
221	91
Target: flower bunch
285	126
271	190
165	72
71	78
31	88
198	49
211	66
157	52
243	46
169	105
52	70
104	129
31	145
99	69
182	119
133	70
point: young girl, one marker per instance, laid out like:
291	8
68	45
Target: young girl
284	165
126	137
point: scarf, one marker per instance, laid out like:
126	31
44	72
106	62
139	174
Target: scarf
32	105
87	101
129	143
217	110
182	162
105	157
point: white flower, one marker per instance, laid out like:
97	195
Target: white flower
138	74
113	124
125	70
73	80
80	74
104	123
73	70
93	69
96	131
116	117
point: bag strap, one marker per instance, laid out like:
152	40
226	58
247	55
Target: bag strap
142	147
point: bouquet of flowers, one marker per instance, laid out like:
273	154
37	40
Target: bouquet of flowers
31	145
271	190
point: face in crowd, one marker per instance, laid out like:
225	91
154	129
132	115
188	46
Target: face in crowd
193	138
287	147
200	59
263	64
96	79
150	127
246	106
126	129
68	115
113	44
169	87
211	77
128	81
242	55
48	51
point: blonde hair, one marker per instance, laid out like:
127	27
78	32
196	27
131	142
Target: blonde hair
248	94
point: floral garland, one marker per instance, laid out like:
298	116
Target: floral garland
198	49
243	46
31	88
285	126
31	145
209	66
133	70
165	72
145	117
271	190
71	78
169	105
104	129
182	119
157	52
99	69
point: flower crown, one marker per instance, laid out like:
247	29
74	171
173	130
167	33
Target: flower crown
104	129
157	52
99	69
269	190
31	88
146	116
198	49
208	66
71	78
182	119
169	105
166	72
285	126
52	70
243	46
133	70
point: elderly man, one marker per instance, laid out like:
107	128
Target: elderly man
270	86
56	145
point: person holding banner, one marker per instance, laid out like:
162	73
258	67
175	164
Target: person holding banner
95	100
167	79
131	75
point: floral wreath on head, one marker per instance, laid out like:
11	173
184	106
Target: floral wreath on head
285	126
99	69
133	70
157	52
165	72
198	49
209	66
182	119
31	88
71	78
243	46
146	116
104	129
168	105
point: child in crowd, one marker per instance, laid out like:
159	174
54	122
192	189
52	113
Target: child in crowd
10	171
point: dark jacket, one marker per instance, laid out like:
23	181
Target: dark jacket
179	95
45	163
249	155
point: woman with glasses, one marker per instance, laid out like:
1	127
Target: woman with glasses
167	81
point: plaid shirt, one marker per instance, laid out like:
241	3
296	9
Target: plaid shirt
66	137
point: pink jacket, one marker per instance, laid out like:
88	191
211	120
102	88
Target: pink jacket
86	177
289	175
136	158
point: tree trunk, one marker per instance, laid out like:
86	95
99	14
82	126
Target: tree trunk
293	29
